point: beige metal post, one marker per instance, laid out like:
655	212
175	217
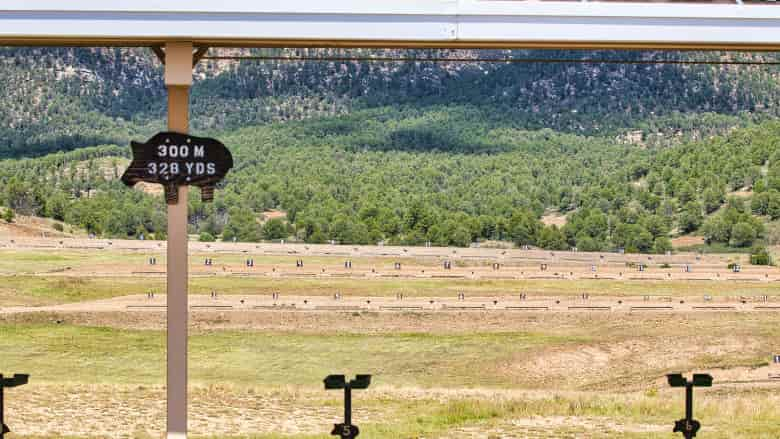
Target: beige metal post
178	80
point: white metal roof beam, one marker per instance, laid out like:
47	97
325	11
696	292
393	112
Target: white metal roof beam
397	23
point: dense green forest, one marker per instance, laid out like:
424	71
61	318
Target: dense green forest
446	175
446	153
55	99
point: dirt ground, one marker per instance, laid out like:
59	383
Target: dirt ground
139	411
554	219
27	227
687	241
506	307
226	411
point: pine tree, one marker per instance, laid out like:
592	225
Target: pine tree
9	215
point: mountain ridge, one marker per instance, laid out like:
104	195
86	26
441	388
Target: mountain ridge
69	98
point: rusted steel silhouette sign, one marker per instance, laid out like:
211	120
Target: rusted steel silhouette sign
175	159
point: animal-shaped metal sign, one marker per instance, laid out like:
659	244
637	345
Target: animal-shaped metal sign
175	159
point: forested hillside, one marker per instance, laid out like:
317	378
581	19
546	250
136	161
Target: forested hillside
56	99
447	153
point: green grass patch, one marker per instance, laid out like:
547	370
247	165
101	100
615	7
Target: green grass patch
40	290
54	260
61	353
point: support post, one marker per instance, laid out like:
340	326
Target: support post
689	401
2	409
348	404
178	80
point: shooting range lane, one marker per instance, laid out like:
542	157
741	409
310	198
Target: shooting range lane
490	304
387	279
395	262
619	342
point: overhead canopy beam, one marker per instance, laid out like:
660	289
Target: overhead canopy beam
398	23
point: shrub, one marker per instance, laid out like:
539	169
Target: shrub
275	229
206	237
662	245
760	256
742	235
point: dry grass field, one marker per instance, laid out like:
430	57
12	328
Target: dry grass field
76	316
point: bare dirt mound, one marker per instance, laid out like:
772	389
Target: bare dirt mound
687	241
554	219
34	227
274	214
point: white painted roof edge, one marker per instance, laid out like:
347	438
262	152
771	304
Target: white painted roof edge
445	21
453	8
